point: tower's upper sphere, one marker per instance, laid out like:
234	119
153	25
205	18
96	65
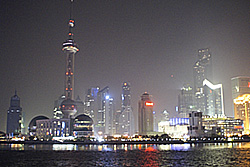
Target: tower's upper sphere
71	23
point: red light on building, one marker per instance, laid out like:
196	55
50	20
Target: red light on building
249	84
238	127
150	104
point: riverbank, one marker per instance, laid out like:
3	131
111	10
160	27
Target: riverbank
124	142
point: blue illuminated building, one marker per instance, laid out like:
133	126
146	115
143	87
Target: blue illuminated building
178	121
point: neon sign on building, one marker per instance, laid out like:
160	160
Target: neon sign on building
149	104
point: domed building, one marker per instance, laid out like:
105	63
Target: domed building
68	108
32	125
83	126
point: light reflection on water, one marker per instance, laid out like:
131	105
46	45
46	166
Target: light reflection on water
125	147
63	147
209	154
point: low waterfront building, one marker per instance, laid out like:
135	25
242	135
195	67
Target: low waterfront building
46	129
175	127
223	127
83	126
32	125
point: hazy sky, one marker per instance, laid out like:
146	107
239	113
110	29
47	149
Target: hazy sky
142	42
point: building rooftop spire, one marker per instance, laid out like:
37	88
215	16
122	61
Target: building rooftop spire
71	20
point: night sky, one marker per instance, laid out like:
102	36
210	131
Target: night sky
141	42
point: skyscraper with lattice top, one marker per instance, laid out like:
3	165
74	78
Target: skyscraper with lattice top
202	70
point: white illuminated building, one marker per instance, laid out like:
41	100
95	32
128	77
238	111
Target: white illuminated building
213	100
175	127
46	129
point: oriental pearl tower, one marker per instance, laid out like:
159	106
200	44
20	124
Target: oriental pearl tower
70	48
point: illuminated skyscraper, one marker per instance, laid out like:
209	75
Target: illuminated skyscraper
109	118
202	70
208	97
240	86
242	110
213	99
185	101
103	106
90	103
145	115
241	98
68	106
14	117
126	116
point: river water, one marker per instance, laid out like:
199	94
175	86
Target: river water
220	154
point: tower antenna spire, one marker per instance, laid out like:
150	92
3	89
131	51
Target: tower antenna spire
71	20
70	48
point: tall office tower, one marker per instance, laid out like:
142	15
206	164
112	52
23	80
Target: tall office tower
90	103
68	106
202	70
126	115
116	119
145	115
213	99
185	101
14	117
240	86
102	102
242	110
109	115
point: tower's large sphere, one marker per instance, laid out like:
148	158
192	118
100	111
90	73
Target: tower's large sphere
68	108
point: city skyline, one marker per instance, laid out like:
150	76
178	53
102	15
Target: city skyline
142	43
